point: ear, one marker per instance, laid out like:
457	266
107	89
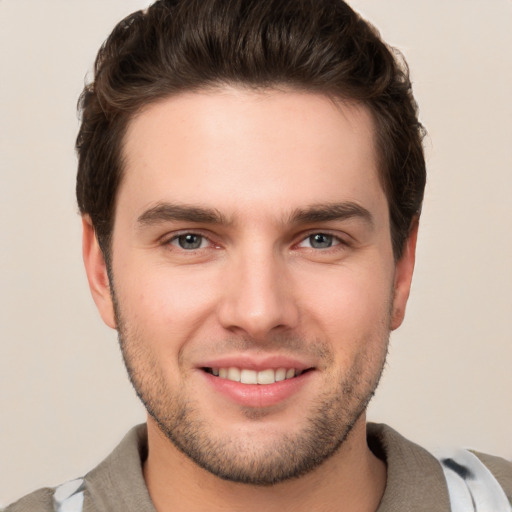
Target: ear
97	276
403	277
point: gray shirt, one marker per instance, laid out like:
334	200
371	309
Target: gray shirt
415	480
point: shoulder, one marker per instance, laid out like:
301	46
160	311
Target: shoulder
477	482
118	479
40	501
430	481
67	497
501	470
415	479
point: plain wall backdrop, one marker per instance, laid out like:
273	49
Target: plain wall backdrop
65	400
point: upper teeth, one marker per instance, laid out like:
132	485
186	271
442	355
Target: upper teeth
246	376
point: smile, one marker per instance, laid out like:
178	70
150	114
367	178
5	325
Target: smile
247	376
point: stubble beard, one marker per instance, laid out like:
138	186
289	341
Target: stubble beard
241	459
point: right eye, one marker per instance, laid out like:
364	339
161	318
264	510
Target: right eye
189	241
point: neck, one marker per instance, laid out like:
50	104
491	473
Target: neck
352	480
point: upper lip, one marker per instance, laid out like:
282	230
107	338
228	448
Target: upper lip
258	363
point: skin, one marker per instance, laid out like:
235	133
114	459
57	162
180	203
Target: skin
258	287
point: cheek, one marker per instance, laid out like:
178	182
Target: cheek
166	304
350	304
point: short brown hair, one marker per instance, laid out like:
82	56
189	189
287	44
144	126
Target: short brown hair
185	45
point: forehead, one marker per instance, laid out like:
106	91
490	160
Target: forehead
234	149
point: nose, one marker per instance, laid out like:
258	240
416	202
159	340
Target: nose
258	296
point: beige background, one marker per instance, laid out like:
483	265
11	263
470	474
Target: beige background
64	398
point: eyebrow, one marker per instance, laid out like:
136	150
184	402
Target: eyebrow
167	212
333	211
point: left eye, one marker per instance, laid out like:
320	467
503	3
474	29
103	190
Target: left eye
319	241
189	241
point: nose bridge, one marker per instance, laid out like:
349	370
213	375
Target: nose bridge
258	295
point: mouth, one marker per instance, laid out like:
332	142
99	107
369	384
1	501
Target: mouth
250	376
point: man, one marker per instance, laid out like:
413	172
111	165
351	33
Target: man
250	180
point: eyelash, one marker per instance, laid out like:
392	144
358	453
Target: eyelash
176	238
336	241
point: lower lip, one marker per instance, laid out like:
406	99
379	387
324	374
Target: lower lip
258	395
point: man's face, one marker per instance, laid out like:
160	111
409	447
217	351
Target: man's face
252	243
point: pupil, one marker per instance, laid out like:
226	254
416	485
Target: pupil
321	241
189	241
